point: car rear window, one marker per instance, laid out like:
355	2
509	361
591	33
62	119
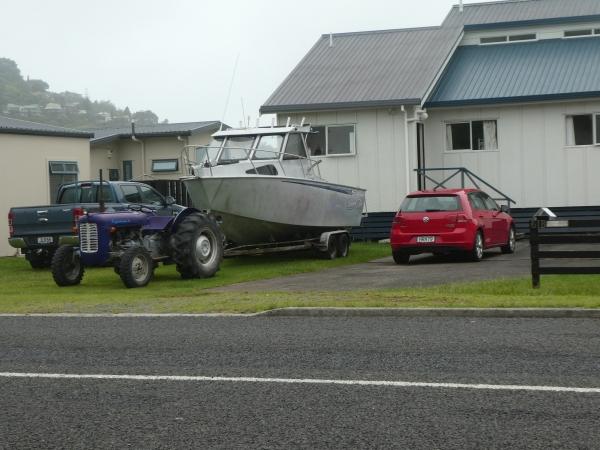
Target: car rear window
430	203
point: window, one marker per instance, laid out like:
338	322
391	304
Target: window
332	140
522	37
472	135
113	174
85	193
579	33
131	193
127	170
165	165
294	147
236	148
476	201
430	203
151	197
268	147
513	38
493	40
489	202
210	152
582	129
61	172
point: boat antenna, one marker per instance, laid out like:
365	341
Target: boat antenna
235	66
244	112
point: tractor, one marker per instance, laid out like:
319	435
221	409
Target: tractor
134	242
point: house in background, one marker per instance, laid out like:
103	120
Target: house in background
147	152
509	90
36	160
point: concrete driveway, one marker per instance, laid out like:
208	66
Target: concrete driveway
423	270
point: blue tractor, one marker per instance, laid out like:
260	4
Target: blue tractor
136	241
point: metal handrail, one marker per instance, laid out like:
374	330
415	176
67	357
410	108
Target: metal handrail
464	173
280	157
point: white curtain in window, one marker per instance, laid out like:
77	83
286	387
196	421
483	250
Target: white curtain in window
490	135
449	145
570	131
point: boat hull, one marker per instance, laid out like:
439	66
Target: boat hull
263	209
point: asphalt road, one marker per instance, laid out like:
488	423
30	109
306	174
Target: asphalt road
142	413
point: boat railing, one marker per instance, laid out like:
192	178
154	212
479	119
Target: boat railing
308	169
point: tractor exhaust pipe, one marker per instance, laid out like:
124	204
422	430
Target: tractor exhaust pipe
101	194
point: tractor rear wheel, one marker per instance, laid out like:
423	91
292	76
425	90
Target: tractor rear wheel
136	267
197	246
67	269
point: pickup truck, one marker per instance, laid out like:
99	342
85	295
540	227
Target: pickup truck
39	230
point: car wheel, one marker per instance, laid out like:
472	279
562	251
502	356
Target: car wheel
67	269
511	245
401	257
343	245
197	247
136	267
476	253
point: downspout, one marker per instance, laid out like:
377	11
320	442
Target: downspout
143	144
406	153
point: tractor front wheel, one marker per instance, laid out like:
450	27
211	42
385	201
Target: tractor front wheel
67	269
136	267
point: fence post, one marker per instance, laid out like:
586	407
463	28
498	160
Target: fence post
534	244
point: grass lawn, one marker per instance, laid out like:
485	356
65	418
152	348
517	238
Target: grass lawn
27	291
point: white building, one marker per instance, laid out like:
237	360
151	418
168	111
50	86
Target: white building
509	90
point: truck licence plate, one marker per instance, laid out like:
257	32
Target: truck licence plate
425	239
45	240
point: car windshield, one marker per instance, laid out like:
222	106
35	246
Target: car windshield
430	203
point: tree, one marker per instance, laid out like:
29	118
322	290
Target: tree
145	118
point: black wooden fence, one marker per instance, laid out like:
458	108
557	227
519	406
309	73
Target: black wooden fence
563	231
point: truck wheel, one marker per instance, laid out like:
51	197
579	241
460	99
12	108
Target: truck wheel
343	245
136	267
67	269
39	259
197	247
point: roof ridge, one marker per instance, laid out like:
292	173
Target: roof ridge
29	122
390	30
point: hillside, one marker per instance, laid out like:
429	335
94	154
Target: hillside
30	99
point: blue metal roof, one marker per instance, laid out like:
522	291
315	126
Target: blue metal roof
542	70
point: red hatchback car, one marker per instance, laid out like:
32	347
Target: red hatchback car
450	220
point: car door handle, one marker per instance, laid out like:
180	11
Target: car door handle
42	220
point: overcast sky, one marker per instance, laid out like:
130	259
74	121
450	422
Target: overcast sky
177	57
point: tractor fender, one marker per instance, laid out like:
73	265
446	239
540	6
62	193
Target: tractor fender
181	217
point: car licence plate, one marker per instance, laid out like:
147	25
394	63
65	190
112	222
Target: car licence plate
425	239
45	240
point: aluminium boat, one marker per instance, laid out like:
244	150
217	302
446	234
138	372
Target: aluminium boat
264	187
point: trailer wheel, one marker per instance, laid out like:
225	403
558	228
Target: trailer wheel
197	246
343	245
331	252
136	267
67	269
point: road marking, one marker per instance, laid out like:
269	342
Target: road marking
399	384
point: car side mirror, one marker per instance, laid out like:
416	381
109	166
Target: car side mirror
169	200
504	209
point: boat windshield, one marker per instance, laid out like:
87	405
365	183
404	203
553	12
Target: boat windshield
268	147
236	148
210	152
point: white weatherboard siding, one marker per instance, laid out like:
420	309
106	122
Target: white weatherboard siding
379	164
533	164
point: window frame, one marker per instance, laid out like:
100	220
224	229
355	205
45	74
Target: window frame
57	178
326	153
164	160
595	130
508	38
470	122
